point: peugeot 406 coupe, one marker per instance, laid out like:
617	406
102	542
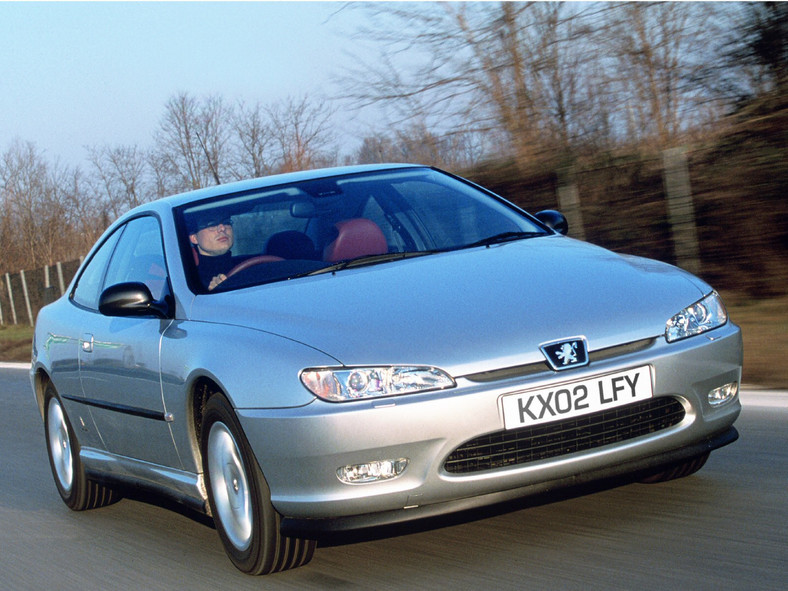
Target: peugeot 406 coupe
357	347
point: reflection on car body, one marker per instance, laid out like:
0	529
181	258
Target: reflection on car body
392	342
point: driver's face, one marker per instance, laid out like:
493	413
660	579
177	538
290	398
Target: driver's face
214	240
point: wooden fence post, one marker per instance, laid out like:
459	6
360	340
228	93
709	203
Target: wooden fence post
569	201
27	297
11	297
681	212
60	278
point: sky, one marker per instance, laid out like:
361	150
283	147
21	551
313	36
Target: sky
76	74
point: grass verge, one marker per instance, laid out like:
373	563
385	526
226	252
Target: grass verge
764	325
15	342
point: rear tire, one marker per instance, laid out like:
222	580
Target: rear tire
76	489
240	499
678	470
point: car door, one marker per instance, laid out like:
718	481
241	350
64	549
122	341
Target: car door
119	356
65	340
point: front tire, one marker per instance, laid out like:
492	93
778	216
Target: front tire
76	489
240	500
677	470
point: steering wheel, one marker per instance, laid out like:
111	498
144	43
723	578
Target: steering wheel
242	266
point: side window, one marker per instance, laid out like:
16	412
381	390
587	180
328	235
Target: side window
90	282
139	256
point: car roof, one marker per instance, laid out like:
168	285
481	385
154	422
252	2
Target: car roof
173	201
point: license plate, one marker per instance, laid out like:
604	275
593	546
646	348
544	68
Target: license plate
573	399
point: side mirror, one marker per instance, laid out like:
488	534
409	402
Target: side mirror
131	299
553	219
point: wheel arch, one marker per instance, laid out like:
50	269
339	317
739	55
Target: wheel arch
41	380
201	390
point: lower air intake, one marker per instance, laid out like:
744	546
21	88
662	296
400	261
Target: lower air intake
542	442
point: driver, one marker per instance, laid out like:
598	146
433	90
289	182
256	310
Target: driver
212	238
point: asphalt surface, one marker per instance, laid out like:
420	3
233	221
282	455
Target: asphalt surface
724	527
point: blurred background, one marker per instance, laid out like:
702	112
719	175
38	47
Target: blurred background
659	129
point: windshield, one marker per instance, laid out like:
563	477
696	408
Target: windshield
333	223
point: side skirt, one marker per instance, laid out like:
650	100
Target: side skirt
186	488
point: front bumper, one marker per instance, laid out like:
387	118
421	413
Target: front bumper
316	528
300	450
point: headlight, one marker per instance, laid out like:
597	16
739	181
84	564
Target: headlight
355	383
701	316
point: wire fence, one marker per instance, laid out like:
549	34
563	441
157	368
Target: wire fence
24	293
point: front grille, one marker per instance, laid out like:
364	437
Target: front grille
541	442
521	371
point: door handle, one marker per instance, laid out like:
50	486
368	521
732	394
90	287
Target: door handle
86	342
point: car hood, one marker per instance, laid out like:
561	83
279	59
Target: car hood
467	311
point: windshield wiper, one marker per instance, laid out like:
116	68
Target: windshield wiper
503	237
371	259
374	259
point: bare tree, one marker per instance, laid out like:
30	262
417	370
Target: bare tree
32	213
192	142
301	134
85	218
416	143
119	177
658	51
255	139
515	70
376	148
543	76
160	167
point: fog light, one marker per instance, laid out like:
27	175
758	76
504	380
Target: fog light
724	394
372	471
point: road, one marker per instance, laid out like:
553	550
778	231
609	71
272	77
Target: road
724	527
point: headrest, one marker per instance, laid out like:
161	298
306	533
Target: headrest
357	237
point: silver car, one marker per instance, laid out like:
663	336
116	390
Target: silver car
354	347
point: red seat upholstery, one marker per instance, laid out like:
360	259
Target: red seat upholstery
357	237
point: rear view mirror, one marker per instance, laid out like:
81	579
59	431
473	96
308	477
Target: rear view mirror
302	209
